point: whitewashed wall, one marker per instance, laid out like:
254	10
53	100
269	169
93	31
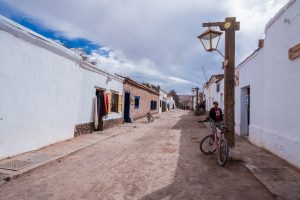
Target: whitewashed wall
281	85
206	92
220	98
212	95
37	96
250	75
171	103
44	91
274	80
163	96
90	79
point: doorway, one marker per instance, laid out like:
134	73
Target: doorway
100	110
245	111
127	108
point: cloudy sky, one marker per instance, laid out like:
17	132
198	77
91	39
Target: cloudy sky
151	41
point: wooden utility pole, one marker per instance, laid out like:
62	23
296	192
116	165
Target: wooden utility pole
197	99
229	26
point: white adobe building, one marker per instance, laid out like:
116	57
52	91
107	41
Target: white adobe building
194	98
267	94
163	98
170	102
213	90
47	91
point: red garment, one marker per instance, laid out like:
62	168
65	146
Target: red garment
218	114
106	103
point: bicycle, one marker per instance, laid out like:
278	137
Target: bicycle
216	142
150	118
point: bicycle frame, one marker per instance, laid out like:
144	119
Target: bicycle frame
219	134
220	142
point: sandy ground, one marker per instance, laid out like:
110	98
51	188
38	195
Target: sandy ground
160	160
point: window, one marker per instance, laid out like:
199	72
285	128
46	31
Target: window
115	102
136	102
153	105
218	87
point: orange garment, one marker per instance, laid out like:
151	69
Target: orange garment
106	103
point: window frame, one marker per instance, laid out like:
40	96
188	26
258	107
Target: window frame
218	87
136	102
153	105
114	102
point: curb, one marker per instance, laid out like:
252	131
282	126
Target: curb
250	169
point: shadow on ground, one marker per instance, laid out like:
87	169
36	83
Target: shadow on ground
198	176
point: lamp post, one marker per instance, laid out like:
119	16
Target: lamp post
210	40
197	99
194	101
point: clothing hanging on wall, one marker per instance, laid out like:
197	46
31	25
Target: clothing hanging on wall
106	103
100	109
96	113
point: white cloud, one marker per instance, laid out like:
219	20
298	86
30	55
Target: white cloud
178	80
117	62
253	16
155	38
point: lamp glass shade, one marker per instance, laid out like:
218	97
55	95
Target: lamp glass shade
210	39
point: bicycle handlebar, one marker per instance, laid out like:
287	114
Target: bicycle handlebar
218	125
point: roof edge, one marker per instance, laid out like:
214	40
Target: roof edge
130	81
34	38
278	14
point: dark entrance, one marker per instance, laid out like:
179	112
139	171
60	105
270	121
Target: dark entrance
100	112
127	107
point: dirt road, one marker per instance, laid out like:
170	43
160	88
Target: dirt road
160	160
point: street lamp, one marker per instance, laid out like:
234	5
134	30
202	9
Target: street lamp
210	39
194	101
197	96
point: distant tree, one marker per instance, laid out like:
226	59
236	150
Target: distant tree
175	97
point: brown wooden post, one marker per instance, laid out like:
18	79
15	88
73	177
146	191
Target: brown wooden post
229	120
197	96
229	26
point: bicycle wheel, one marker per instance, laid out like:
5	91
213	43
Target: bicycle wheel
222	153
151	119
207	144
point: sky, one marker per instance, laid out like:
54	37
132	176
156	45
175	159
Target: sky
151	41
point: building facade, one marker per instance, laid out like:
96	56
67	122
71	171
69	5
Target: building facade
170	102
163	98
267	94
213	90
138	100
47	91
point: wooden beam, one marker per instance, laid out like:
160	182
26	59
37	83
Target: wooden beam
221	25
210	24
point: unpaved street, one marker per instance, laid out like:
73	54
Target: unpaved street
160	160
